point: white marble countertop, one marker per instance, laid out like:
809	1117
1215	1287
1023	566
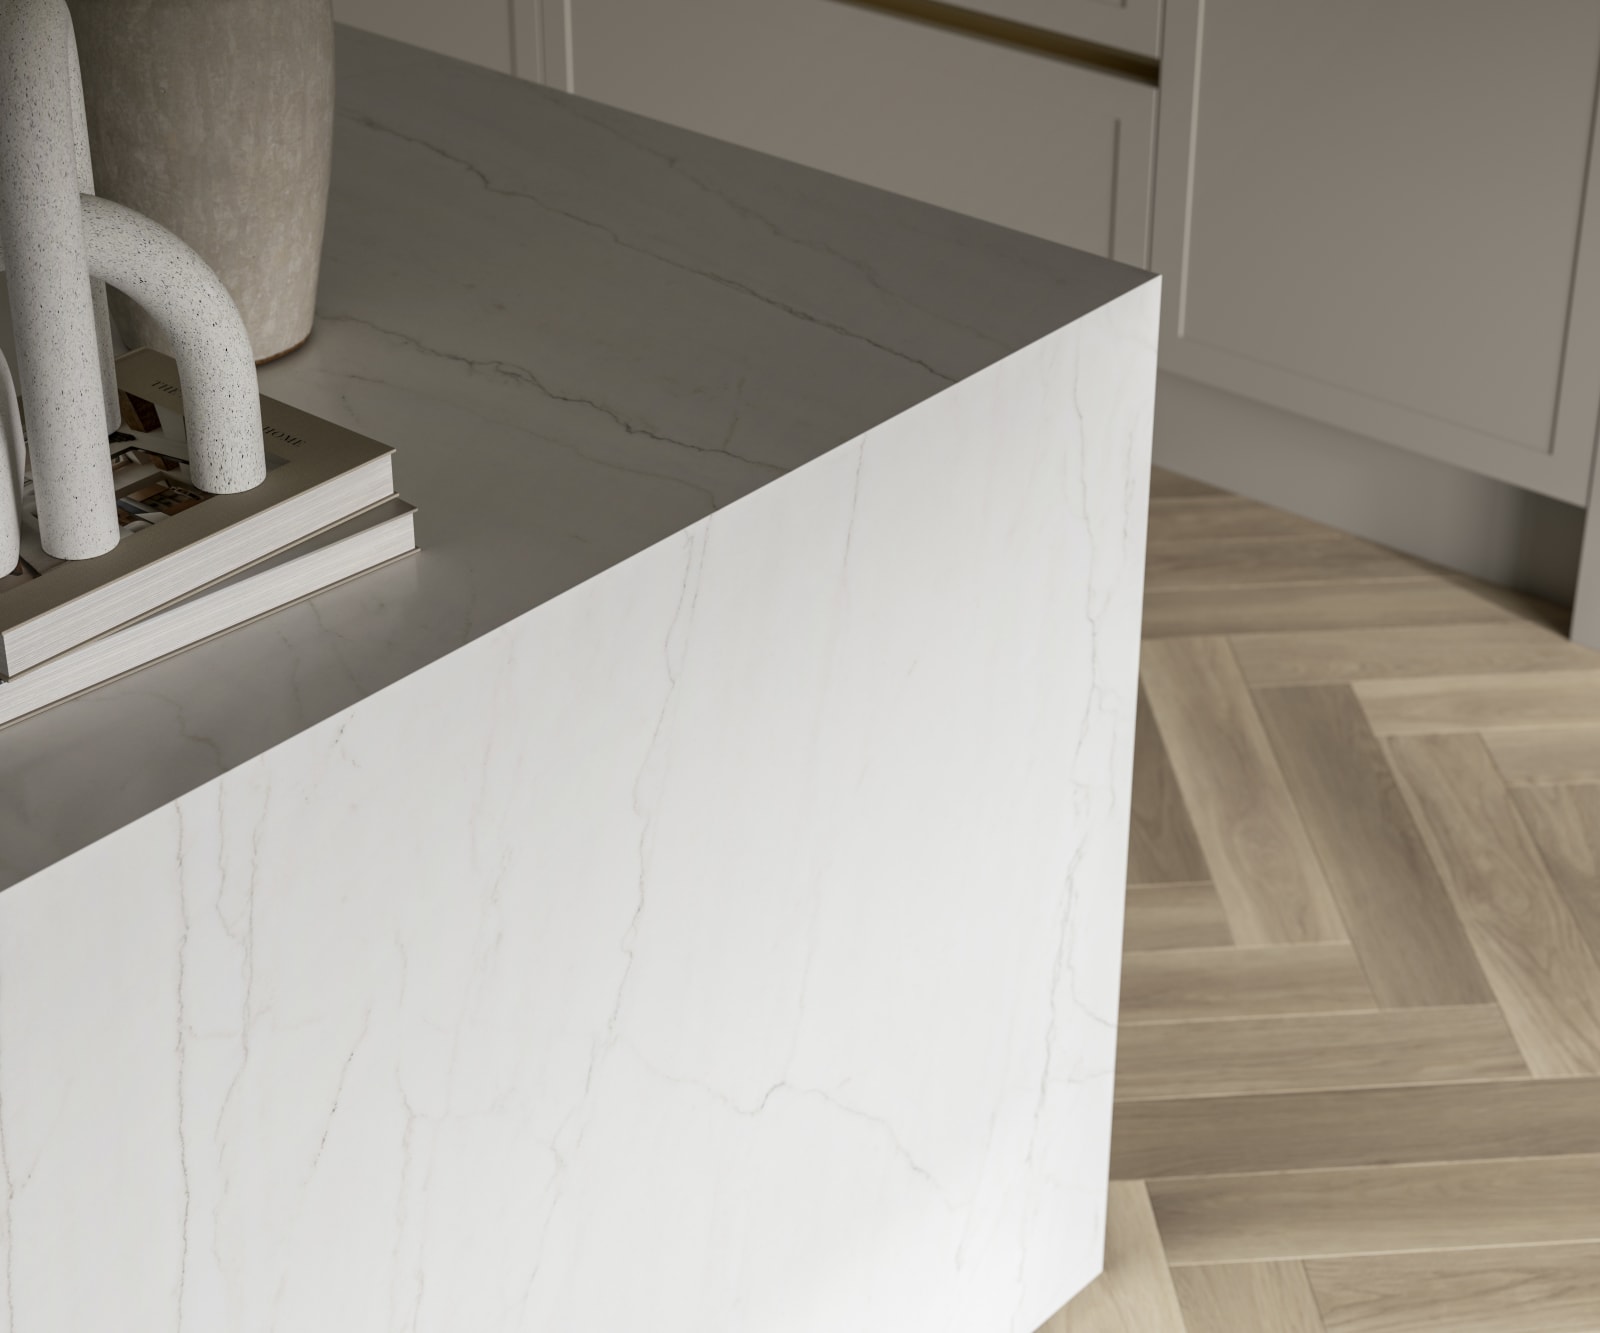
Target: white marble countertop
582	331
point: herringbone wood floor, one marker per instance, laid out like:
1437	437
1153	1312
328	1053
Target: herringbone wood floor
1358	1085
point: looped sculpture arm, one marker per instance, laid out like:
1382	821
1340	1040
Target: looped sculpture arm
216	368
63	244
97	290
52	305
13	445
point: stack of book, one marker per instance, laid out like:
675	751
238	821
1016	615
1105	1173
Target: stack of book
191	565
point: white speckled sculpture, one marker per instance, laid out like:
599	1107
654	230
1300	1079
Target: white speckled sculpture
11	460
52	308
61	245
222	409
97	288
688	896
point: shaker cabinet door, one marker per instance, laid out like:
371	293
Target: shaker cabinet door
472	30
1018	138
1383	216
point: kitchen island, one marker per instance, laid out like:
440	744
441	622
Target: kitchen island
687	893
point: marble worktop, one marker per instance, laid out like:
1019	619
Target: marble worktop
582	331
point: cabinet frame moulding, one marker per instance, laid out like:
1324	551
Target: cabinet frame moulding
1560	470
541	38
1133	187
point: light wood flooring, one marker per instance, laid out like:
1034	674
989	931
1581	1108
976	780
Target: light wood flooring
1358	1085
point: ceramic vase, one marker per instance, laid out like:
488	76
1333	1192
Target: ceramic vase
215	118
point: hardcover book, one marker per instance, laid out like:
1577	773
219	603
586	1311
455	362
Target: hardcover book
176	538
371	538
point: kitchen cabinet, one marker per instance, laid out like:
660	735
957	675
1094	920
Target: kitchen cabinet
471	30
1377	222
1383	217
1014	136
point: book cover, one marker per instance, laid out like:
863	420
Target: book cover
176	538
372	538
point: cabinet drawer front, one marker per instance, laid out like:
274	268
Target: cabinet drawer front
1130	25
1007	135
472	30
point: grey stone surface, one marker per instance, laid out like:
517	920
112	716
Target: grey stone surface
582	331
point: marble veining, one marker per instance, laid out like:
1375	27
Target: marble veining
477	314
734	945
686	895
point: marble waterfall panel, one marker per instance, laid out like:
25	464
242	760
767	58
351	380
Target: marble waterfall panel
731	943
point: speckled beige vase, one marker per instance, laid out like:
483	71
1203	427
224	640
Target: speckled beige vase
215	118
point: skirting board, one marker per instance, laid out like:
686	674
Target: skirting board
1484	528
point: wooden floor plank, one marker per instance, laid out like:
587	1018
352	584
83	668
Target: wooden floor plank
1324	656
1168	485
1565	823
1528	1289
1175	916
1397	911
1314	606
1299	1131
1234	1298
1543	973
1225	518
1135	1293
1162	848
1253	561
1269	879
1482	703
1312	766
1166	984
1537	758
1378	1210
1305	1053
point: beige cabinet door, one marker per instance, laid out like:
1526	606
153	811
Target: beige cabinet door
1023	139
475	30
1383	216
